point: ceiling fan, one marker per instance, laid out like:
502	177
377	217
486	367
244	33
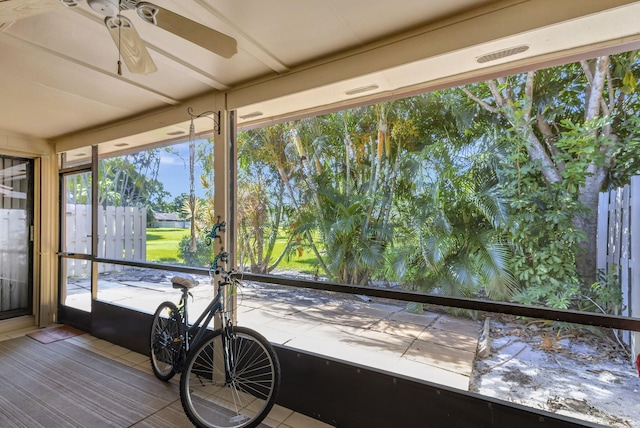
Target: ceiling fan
130	46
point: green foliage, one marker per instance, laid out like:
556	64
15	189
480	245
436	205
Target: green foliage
262	213
453	235
579	146
627	153
445	191
78	188
604	295
131	180
354	244
540	225
552	164
177	204
202	257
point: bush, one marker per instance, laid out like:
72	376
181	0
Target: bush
202	257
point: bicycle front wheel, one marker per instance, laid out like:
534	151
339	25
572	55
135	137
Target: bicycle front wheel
239	396
165	346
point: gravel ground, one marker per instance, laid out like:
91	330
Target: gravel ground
574	373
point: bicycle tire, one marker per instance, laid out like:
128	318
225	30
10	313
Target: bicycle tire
165	342
242	401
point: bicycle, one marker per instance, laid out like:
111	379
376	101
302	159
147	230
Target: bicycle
230	376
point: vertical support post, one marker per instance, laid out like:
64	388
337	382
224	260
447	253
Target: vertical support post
221	182
41	298
634	236
44	258
232	230
94	223
225	185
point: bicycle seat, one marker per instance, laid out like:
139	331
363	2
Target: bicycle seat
183	281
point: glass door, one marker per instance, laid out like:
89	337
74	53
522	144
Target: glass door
16	236
75	242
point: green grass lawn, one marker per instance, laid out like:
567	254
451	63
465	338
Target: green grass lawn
162	244
305	263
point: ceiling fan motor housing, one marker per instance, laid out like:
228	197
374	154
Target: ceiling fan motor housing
105	7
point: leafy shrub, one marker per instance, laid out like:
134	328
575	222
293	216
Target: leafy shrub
202	257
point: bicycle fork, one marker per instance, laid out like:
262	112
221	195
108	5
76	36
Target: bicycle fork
229	355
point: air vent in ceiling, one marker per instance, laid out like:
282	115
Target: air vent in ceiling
493	56
251	115
362	89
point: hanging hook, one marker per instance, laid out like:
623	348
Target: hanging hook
214	116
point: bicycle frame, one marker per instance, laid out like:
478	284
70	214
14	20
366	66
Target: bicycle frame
196	331
216	305
207	358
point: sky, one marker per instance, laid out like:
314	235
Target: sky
173	172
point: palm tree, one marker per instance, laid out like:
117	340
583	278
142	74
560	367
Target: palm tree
451	232
455	240
351	171
272	150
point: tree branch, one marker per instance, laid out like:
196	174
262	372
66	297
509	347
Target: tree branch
587	71
537	151
535	148
481	103
608	108
586	68
594	97
496	92
548	137
528	90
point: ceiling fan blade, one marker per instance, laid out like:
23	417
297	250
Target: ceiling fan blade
13	10
201	35
132	49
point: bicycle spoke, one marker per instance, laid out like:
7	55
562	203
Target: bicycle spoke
165	340
242	397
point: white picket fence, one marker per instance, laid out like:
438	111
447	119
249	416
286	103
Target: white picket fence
14	259
122	235
619	248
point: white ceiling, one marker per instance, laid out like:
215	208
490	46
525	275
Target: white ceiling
58	70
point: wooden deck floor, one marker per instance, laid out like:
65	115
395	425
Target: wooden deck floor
87	382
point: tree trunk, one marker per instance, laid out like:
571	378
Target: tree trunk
586	261
595	106
542	151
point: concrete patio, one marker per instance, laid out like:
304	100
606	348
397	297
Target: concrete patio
432	346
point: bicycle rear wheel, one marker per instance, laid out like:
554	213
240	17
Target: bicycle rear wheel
241	398
167	332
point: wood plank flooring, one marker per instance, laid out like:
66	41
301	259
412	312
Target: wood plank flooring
66	384
63	385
